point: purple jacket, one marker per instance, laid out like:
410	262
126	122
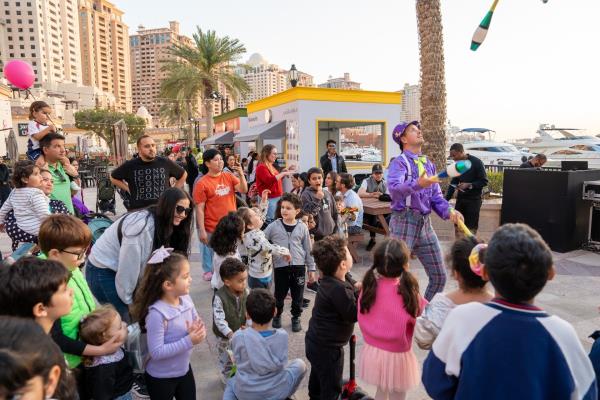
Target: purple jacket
169	344
422	200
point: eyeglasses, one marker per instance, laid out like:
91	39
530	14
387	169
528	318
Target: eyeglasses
80	256
182	209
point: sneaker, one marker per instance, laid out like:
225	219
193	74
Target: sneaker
276	322
207	276
312	286
371	244
305	303
296	326
139	388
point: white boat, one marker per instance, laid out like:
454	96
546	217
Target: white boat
479	142
565	144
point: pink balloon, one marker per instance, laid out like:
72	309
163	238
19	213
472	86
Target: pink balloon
19	73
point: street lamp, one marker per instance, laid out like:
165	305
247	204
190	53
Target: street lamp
293	75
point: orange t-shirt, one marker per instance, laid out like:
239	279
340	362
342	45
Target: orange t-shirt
218	194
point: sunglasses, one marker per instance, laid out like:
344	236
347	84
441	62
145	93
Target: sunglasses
182	209
56	174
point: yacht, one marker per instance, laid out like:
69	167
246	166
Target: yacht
479	142
565	144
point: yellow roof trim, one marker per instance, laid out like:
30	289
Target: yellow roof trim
324	94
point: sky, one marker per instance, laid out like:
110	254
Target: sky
540	63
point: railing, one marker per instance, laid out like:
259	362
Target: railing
501	168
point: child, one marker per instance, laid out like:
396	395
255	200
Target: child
342	220
333	318
224	242
29	203
388	306
229	310
465	260
259	250
109	376
165	310
39	126
509	348
263	371
287	232
35	289
320	204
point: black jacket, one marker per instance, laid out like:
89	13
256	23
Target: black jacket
108	381
475	176
326	164
334	313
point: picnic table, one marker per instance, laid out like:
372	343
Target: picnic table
379	209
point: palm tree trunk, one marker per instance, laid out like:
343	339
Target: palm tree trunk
210	110
190	132
433	85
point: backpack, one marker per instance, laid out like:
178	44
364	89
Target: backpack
106	190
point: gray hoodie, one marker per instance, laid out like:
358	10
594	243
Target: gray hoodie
261	363
324	210
297	242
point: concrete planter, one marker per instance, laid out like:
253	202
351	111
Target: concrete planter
489	221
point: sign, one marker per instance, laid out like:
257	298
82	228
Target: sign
23	129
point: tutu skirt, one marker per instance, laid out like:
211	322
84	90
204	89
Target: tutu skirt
389	371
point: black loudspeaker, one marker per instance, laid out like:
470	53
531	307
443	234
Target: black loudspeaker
551	203
594	232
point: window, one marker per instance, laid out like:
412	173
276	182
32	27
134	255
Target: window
18	12
21	46
10	46
20	30
357	141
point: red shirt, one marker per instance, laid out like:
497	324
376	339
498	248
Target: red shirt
266	180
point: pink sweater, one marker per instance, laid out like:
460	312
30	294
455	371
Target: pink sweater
387	325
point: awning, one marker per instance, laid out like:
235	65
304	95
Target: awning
272	130
219	138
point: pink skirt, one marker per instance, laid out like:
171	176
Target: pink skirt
389	371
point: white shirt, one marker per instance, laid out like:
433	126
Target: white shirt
351	199
31	206
32	128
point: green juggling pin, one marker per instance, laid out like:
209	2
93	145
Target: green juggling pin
482	29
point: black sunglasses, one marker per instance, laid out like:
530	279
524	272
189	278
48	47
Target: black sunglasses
56	174
182	209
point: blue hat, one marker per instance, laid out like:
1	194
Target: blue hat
400	128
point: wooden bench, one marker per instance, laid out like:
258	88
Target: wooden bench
353	241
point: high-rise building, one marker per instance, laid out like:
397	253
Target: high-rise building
411	103
44	33
267	79
105	50
341	83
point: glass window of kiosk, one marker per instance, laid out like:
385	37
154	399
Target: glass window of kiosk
359	142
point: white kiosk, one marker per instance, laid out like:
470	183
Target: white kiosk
300	120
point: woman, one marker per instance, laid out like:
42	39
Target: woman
252	164
330	183
230	164
4	182
214	194
268	178
298	184
119	256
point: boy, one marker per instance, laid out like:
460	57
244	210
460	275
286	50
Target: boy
65	239
229	310
333	318
261	354
36	289
288	232
509	348
320	204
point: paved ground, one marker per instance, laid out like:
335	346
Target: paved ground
572	295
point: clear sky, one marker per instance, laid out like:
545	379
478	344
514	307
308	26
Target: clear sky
540	62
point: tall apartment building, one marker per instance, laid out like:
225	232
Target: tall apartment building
105	50
341	83
44	33
411	103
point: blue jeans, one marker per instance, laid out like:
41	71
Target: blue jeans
207	255
272	208
102	284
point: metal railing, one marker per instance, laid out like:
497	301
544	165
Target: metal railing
501	168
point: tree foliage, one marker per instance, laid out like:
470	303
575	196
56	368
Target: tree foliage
101	121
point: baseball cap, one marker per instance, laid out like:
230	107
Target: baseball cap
400	128
377	168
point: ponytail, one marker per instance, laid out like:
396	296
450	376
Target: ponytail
408	288
369	291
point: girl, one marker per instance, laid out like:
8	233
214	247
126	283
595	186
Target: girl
39	126
29	203
389	304
166	312
109	376
465	260
259	250
297	184
224	242
330	183
230	163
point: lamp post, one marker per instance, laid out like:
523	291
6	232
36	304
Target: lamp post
293	76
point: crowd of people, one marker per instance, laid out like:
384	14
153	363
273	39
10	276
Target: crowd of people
67	332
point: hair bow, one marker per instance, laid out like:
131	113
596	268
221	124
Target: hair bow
159	255
474	261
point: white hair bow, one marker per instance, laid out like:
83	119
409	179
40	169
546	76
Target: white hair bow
160	255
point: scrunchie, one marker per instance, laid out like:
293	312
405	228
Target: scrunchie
474	261
159	255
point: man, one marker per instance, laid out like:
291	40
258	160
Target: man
469	185
53	148
536	162
415	194
191	167
145	178
344	183
331	161
373	187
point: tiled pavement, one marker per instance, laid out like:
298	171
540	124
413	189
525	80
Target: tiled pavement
573	295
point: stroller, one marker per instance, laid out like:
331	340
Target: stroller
105	196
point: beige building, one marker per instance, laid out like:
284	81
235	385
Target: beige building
411	103
341	83
105	50
44	33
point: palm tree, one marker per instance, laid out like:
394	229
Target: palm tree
176	112
433	84
197	71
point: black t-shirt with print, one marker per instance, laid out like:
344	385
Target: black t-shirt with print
147	180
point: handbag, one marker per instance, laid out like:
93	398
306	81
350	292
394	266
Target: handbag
137	348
